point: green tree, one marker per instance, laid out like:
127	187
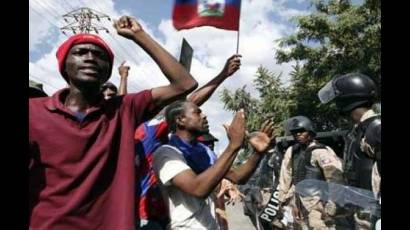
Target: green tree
303	94
273	103
338	37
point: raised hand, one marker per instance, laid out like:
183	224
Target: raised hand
232	65
262	139
123	69
236	131
127	27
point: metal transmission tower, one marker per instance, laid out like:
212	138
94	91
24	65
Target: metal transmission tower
83	21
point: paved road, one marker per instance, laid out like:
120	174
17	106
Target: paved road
236	219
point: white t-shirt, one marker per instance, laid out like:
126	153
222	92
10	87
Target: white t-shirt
186	211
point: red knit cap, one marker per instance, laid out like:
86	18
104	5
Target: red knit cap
81	39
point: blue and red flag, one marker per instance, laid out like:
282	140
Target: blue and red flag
150	203
223	14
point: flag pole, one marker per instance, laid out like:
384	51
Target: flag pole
239	26
237	42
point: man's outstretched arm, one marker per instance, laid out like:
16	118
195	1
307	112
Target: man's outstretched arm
202	94
181	82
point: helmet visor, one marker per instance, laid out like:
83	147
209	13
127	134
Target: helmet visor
327	93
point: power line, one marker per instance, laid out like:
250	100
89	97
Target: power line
42	16
132	58
142	70
84	16
123	51
83	3
54	7
38	65
42	67
97	5
43	82
71	7
42	4
51	11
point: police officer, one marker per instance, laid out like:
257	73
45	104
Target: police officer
354	95
307	159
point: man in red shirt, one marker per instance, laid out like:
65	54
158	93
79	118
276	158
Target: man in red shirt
81	147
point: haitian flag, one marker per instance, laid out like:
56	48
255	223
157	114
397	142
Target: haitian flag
223	14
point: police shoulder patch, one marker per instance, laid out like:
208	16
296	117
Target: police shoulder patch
325	160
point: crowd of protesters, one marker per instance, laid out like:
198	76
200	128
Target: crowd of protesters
104	158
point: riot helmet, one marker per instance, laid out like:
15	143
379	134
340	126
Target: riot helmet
349	91
297	123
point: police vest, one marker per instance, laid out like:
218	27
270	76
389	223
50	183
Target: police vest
301	166
357	165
